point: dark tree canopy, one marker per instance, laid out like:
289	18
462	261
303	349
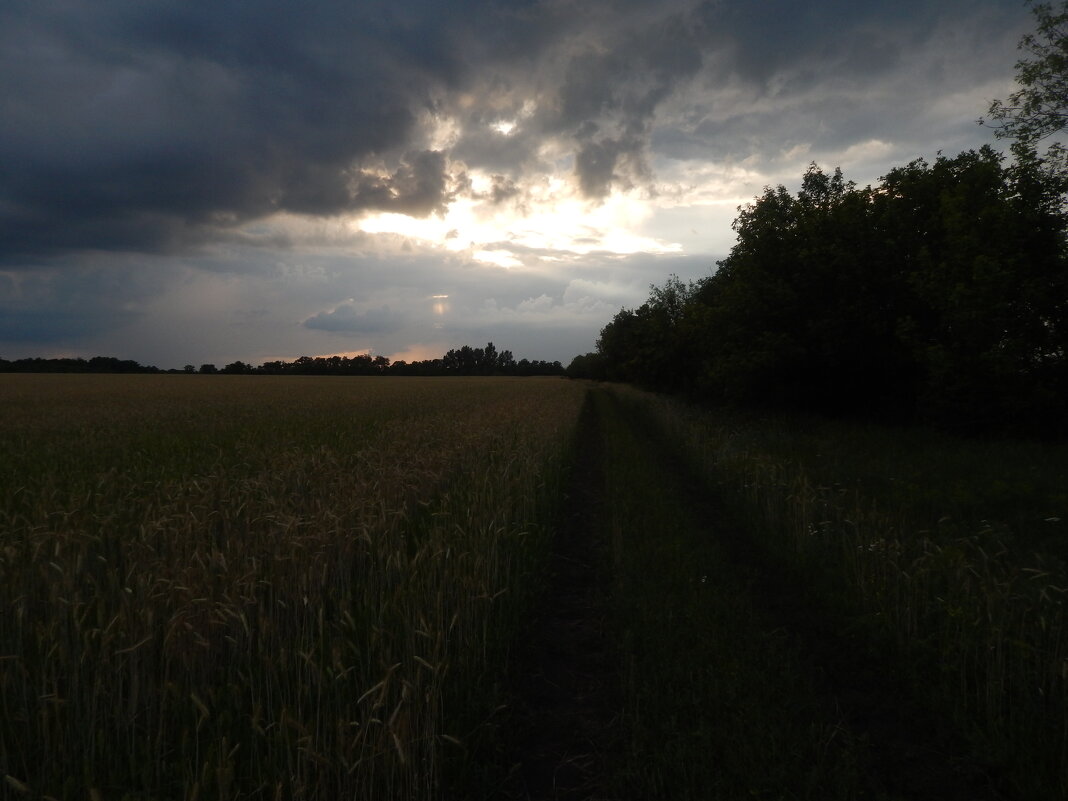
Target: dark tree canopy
941	294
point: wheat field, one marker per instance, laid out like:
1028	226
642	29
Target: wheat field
246	587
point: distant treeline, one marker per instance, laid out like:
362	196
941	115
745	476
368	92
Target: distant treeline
461	361
940	295
97	364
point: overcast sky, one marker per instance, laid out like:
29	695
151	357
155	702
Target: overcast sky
214	180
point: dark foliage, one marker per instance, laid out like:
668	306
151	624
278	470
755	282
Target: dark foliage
1038	109
588	365
463	361
940	295
97	364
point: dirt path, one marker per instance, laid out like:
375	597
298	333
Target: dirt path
566	733
565	718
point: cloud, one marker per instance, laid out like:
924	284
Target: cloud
68	303
63	326
584	292
346	319
418	187
574	309
596	164
155	127
230	170
834	75
149	126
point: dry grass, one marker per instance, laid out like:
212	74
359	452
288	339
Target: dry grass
248	587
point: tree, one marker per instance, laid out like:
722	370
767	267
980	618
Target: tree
800	313
460	361
479	361
506	362
486	361
941	294
589	365
1039	108
649	345
987	321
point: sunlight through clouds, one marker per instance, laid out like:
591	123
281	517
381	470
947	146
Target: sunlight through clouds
501	258
552	218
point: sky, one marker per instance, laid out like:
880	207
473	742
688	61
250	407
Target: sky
193	181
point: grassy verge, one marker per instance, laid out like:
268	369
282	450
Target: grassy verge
235	587
947	554
720	704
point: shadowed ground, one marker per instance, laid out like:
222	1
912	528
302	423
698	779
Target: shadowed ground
577	735
566	718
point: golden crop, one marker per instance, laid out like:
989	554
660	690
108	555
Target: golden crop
237	587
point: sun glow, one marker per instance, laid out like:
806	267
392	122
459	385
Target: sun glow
421	351
501	258
547	221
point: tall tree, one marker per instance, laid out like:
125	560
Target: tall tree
982	249
941	293
1038	109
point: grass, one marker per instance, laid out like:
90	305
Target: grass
720	704
948	554
229	587
236	587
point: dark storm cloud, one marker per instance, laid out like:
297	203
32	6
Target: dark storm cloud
610	93
502	189
345	319
418	187
829	76
134	125
151	126
765	71
760	42
598	163
51	305
58	326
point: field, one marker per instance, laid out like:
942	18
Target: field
230	587
252	587
861	612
